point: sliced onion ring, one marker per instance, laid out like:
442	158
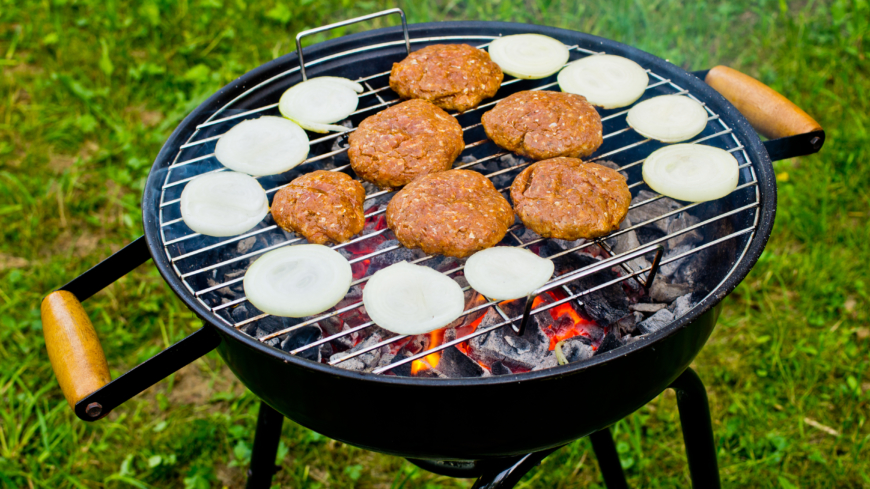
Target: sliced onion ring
264	146
316	103
668	118
412	299
528	56
504	272
605	80
223	204
298	281
691	172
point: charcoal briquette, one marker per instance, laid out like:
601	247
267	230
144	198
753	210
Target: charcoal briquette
656	322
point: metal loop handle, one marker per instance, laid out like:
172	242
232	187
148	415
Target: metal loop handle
348	22
585	272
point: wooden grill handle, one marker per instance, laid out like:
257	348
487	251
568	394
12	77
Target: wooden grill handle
771	114
75	352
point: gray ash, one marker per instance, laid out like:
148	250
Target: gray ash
577	349
503	345
367	361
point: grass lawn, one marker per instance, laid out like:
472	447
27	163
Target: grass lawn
90	89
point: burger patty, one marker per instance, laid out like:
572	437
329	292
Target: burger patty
451	76
565	198
454	213
541	125
322	205
399	144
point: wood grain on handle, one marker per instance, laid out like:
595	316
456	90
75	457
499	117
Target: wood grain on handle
73	347
771	114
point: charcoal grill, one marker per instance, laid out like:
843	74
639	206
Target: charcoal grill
206	272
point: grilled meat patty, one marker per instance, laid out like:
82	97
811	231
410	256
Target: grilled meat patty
451	76
322	205
565	198
454	213
541	125
399	144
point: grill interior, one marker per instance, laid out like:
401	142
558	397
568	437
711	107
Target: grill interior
212	269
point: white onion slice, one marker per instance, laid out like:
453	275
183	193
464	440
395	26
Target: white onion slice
668	118
315	103
529	56
298	281
223	204
321	128
691	172
505	272
412	299
264	146
605	80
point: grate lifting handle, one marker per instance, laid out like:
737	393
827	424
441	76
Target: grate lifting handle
349	22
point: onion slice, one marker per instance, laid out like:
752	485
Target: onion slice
223	204
264	146
691	172
605	80
668	118
316	103
505	272
412	299
298	281
528	56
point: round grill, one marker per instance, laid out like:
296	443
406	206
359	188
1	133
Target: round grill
211	269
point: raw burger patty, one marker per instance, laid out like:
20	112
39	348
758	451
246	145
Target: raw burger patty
451	76
565	198
541	125
395	146
454	213
322	205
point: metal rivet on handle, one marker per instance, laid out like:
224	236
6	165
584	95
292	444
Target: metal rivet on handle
94	409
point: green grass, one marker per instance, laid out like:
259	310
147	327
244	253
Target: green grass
90	89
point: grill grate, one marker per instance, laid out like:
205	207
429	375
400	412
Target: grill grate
220	264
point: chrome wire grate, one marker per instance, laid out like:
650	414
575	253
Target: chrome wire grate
212	269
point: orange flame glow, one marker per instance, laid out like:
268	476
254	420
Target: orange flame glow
560	329
567	323
467	330
431	360
576	327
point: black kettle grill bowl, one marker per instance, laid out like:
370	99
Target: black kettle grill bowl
473	419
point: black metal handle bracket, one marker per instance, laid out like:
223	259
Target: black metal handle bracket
102	401
793	146
109	270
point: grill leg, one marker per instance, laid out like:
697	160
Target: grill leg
608	459
265	448
697	430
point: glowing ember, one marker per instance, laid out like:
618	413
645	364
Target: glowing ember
431	360
567	323
465	331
